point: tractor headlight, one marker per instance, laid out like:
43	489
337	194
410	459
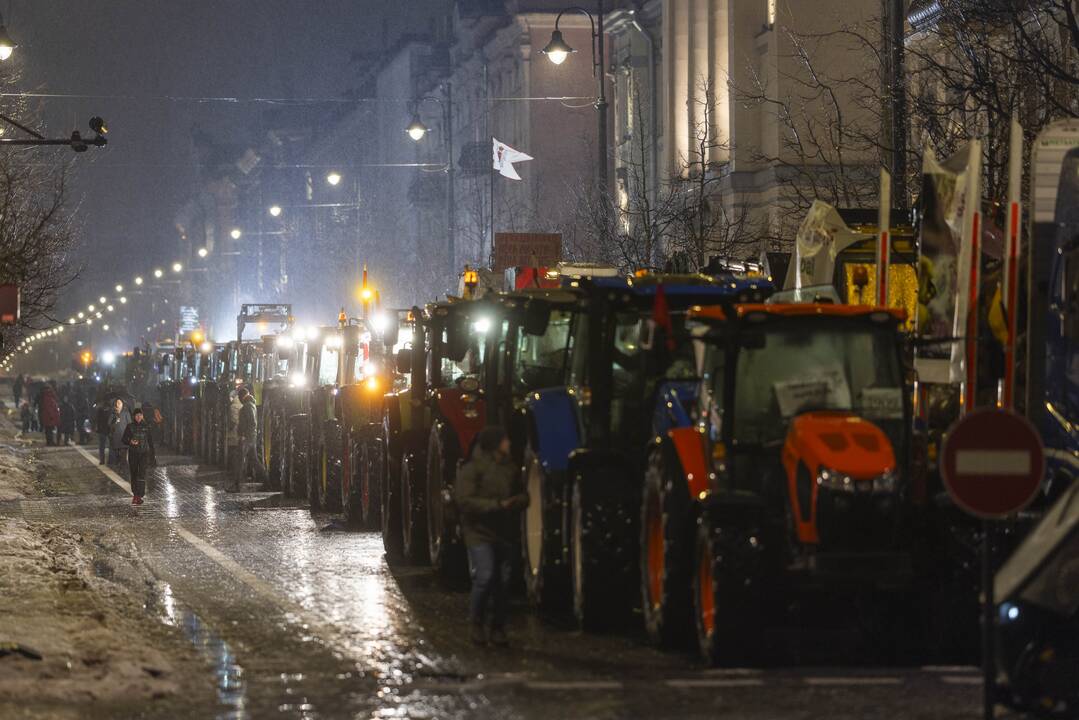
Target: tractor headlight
886	483
834	480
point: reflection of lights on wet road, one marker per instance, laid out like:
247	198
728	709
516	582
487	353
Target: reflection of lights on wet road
172	504
210	509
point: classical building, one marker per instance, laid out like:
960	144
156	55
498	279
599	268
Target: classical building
724	88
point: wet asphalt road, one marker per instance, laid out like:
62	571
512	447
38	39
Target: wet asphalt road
298	618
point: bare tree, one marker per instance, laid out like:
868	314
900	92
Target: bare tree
653	222
36	233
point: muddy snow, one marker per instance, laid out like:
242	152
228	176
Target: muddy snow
79	635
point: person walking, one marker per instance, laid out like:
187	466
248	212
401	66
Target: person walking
490	498
119	419
139	441
102	413
16	389
67	419
232	438
49	412
247	428
27	417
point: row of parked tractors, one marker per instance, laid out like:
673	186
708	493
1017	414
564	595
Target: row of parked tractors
701	463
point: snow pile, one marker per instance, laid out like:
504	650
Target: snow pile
98	646
16	474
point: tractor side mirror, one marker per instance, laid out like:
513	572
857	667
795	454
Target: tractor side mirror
457	339
404	361
392	331
537	316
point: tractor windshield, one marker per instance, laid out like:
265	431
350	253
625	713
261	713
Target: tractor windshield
540	359
795	365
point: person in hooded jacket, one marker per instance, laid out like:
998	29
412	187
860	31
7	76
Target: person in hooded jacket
119	419
49	413
139	440
247	430
67	419
490	497
102	413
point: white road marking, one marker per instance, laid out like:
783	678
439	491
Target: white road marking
961	679
230	566
852	681
686	683
950	669
732	672
573	685
105	469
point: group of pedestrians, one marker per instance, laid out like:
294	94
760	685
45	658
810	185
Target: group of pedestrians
128	436
61	413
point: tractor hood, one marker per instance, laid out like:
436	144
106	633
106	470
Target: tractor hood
841	442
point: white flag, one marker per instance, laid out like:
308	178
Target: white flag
505	156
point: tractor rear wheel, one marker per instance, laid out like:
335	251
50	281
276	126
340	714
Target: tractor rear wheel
546	576
351	490
602	555
666	551
392	540
444	543
413	512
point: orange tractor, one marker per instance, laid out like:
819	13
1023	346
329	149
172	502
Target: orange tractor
796	477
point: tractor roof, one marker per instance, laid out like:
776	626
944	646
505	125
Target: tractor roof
716	313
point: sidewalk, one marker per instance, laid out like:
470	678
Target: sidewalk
76	637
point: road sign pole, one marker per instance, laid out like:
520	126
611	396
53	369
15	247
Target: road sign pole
989	664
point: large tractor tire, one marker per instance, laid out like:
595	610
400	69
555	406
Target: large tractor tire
299	466
413	509
372	463
273	439
330	467
729	607
666	551
547	580
445	545
603	551
351	485
392	540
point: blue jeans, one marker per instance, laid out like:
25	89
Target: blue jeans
490	567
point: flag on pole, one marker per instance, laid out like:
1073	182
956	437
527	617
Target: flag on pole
884	242
505	156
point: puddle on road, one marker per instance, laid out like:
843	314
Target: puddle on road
228	674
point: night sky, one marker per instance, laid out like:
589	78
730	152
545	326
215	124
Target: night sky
127	57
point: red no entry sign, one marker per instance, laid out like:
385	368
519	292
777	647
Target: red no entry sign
992	463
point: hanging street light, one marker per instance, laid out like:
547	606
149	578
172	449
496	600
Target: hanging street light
236	233
275	210
333	178
416	129
558	49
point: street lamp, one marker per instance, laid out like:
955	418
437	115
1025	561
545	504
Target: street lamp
138	280
119	288
275	211
333	178
203	252
7	45
417	130
558	50
158	272
236	233
101	299
177	267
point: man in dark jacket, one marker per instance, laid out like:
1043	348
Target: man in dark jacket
490	497
248	436
67	419
140	446
119	419
48	409
101	426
